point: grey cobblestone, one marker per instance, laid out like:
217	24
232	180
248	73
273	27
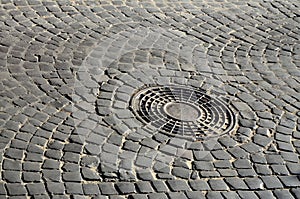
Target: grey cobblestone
69	70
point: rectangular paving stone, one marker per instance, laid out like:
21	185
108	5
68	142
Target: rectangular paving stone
168	149
157	196
52	175
204	165
246	172
36	188
228	172
144	187
177	195
265	194
178	185
159	186
181	172
194	195
254	183
125	187
2	189
55	187
91	189
217	185
283	194
271	182
290	181
214	195
242	164
73	188
236	183
16	189
247	194
12	165
107	188
138	196
221	155
199	185
209	174
279	169
31	177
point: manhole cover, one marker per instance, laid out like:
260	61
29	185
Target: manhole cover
183	111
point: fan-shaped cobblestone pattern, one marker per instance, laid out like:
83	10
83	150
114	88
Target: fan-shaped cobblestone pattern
70	68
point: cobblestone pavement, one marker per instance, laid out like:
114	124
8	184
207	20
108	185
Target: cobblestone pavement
73	119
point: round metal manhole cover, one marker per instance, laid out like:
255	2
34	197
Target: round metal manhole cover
183	111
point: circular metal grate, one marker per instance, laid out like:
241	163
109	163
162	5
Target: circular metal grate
183	111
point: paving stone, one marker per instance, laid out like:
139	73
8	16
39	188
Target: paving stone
236	183
12	165
176	195
263	169
52	175
279	169
73	188
144	187
237	152
125	187
159	186
246	172
157	196
283	194
89	174
31	177
36	188
107	188
138	196
271	182
48	47
214	195
16	189
178	185
274	159
223	164
247	194
290	181
254	183
199	185
55	187
12	176
228	172
217	185
91	189
181	172
242	164
296	192
251	147
229	194
265	194
204	165
73	176
294	168
221	155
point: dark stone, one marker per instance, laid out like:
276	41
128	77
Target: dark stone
16	189
36	188
178	185
125	187
107	188
271	182
144	187
217	185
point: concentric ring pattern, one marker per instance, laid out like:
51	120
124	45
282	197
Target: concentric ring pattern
200	116
69	69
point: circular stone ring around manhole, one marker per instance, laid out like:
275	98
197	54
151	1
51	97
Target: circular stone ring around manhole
183	111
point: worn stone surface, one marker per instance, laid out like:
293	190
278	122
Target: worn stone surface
69	70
